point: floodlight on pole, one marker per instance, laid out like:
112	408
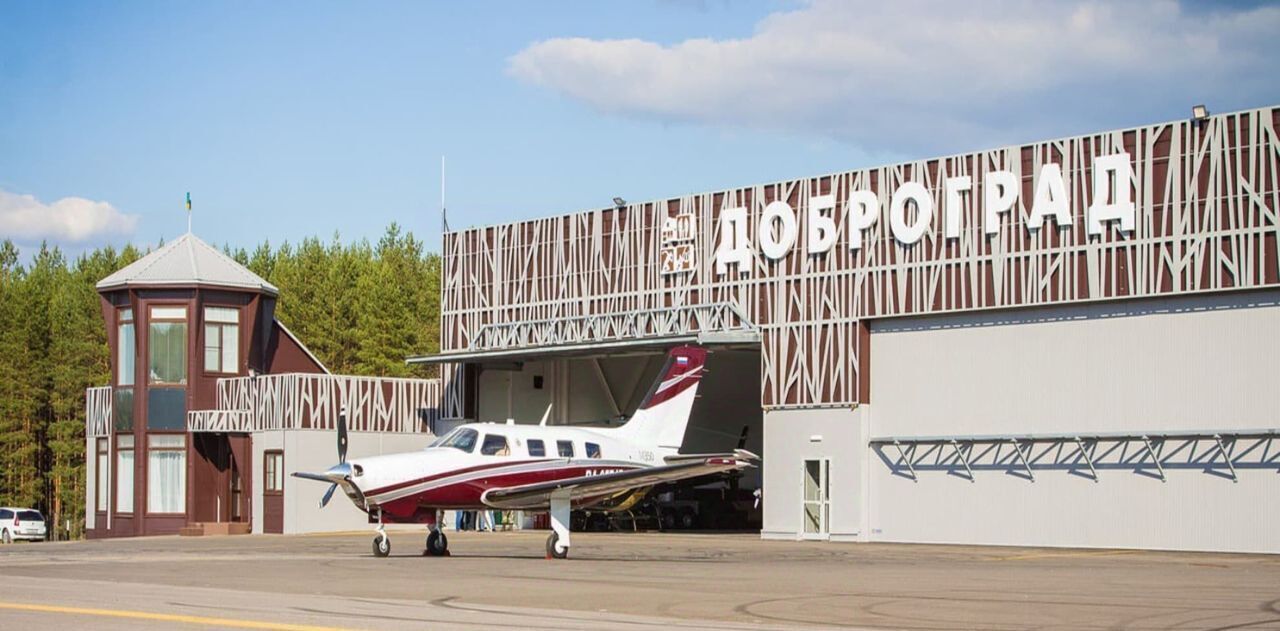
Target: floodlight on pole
1199	113
619	202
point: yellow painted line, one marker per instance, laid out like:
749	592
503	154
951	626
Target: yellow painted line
233	623
1067	555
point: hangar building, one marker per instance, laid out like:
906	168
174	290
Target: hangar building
1073	342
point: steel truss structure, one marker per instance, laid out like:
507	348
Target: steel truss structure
722	317
1217	452
1207	218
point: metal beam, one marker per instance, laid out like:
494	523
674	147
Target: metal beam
1227	457
907	460
1087	457
1023	458
963	460
1147	441
604	385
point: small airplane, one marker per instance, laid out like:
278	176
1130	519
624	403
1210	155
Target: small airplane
485	466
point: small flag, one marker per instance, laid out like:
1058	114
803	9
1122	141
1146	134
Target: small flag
188	201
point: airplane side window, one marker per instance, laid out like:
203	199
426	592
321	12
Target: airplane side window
495	445
565	447
463	438
593	450
536	448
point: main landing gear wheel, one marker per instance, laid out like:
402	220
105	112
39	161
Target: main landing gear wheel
552	551
437	544
381	546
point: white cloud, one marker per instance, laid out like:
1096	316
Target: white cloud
889	75
68	220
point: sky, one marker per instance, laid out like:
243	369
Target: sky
293	119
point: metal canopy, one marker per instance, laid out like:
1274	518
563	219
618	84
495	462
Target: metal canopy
1083	445
991	438
644	330
735	339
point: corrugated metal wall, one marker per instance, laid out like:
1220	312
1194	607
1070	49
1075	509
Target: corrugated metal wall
1208	362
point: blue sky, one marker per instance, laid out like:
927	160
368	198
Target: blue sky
286	119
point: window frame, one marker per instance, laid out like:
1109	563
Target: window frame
101	475
186	341
125	316
560	451
599	453
268	479
205	325
542	448
183	450
133	471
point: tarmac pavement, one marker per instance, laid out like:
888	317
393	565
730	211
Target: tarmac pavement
623	581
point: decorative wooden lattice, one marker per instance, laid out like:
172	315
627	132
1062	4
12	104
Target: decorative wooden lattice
97	411
1205	197
308	401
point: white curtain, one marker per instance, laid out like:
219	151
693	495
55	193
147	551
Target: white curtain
104	480
124	481
166	481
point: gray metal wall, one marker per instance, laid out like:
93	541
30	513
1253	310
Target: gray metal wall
316	451
793	436
1207	362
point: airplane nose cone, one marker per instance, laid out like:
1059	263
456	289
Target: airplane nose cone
338	472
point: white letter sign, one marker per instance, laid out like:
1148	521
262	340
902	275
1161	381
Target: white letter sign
910	191
1111	204
1050	199
1000	192
951	206
775	246
862	210
733	242
822	227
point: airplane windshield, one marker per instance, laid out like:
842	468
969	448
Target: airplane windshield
463	438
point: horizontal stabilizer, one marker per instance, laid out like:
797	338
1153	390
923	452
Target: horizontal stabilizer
740	454
538	495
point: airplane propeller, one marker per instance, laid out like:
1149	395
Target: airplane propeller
342	457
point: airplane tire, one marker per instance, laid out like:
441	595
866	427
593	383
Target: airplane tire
688	519
381	546
552	552
437	544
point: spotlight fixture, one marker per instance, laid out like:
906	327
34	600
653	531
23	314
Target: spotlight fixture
1199	113
619	202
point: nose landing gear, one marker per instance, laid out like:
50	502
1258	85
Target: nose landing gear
381	542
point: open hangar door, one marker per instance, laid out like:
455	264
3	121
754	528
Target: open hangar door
604	388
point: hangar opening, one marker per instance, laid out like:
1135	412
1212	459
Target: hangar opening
603	388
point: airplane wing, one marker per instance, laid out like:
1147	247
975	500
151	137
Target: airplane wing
538	495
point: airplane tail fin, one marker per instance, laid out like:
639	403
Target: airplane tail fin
663	415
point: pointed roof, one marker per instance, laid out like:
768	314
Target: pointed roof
186	261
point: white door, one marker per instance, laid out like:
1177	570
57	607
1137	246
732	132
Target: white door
817	499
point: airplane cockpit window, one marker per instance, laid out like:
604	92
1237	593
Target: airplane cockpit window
593	450
495	445
536	448
565	448
463	438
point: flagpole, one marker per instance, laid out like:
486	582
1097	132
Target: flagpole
444	213
188	213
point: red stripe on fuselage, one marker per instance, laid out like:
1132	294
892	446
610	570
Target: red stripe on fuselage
407	483
466	493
